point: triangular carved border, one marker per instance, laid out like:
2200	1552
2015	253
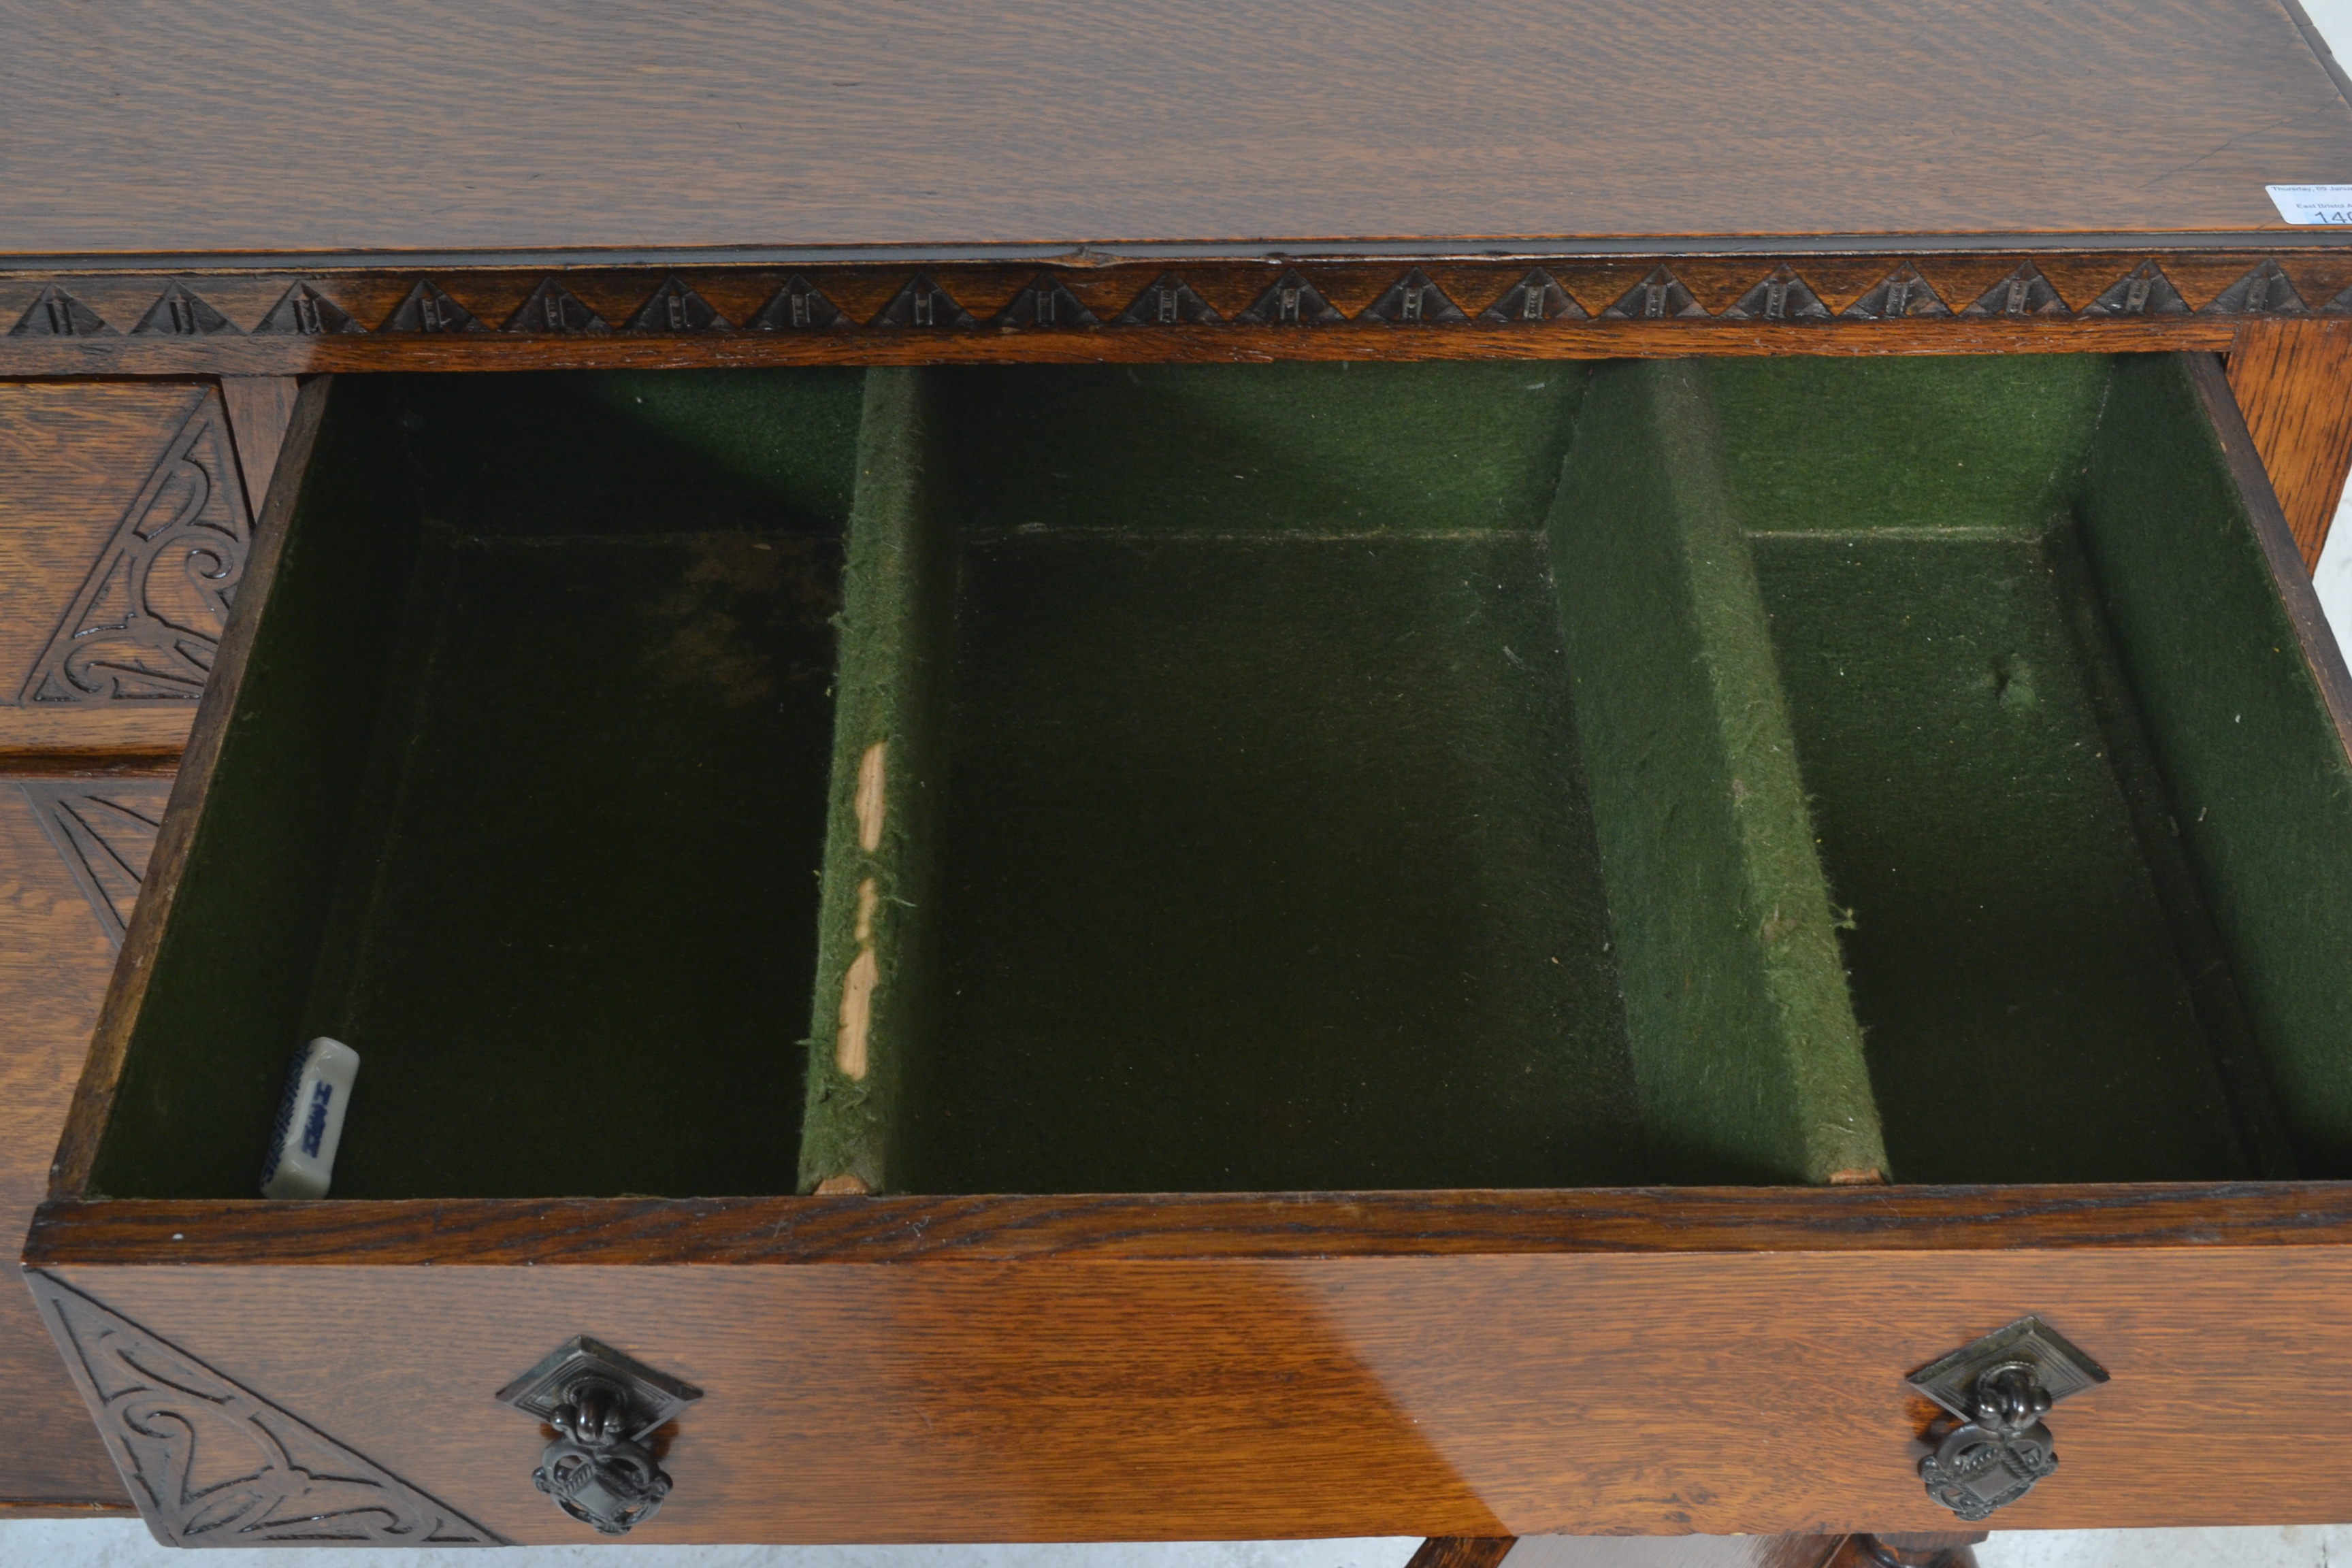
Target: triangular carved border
106	849
288	1484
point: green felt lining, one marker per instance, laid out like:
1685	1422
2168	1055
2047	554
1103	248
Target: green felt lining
1264	854
1293	776
2261	786
558	885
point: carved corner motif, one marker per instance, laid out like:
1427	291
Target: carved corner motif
211	1463
53	313
106	831
1658	297
1291	301
148	619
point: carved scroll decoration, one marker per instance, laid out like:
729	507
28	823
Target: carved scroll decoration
105	829
147	621
211	1463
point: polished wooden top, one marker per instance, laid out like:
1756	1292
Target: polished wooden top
772	127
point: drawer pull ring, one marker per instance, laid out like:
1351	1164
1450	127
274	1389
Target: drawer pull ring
603	1405
1998	1390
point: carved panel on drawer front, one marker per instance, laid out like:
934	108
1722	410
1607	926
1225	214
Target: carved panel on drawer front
211	1463
148	616
106	830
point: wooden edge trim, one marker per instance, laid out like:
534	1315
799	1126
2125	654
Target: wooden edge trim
88	761
2321	653
1588	339
102	1075
507	1232
44	1510
1463	1551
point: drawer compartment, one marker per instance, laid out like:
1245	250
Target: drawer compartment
1217	890
1300	777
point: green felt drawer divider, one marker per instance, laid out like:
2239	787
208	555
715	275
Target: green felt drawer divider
877	914
1749	1058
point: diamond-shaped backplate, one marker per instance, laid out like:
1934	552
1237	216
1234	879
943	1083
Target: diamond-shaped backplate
2057	1365
654	1398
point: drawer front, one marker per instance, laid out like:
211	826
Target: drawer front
124	507
1174	1399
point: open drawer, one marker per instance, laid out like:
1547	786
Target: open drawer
1160	953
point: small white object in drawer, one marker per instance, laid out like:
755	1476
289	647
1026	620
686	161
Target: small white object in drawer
302	1161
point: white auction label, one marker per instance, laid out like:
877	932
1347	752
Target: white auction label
2313	203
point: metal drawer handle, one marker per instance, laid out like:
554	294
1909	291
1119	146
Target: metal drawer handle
603	1405
1998	1390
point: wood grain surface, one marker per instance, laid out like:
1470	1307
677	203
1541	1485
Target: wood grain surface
2294	384
54	958
412	125
1732	1392
1149	1227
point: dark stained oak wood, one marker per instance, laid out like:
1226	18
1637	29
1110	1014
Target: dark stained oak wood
2294	384
504	125
1558	340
